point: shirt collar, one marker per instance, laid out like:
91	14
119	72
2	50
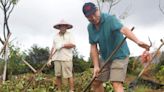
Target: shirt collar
102	18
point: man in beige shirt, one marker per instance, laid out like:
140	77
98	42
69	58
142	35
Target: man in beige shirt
62	54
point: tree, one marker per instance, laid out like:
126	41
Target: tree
110	4
79	64
161	63
7	7
161	7
16	65
37	56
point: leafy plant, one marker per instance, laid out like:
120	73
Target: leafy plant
15	64
159	75
134	66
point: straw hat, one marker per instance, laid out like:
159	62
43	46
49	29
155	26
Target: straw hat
63	22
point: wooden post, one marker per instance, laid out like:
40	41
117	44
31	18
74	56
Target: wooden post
33	69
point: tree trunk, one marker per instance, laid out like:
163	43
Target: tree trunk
6	54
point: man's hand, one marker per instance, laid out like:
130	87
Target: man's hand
96	71
49	63
68	46
59	46
144	45
146	57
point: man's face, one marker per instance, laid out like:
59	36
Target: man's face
94	18
63	28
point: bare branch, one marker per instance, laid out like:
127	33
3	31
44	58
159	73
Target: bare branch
8	1
116	2
4	30
111	3
98	5
160	7
1	40
8	29
6	42
110	6
7	8
126	12
1	7
5	1
6	21
10	11
2	4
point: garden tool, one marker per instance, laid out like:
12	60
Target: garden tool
134	82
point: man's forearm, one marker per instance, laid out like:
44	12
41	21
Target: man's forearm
68	46
94	55
129	34
132	37
51	52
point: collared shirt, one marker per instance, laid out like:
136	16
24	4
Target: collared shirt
63	54
108	37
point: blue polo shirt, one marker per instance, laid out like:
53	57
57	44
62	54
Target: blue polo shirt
108	37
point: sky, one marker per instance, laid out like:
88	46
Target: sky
32	22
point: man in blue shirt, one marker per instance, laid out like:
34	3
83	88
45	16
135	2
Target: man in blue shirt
106	31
